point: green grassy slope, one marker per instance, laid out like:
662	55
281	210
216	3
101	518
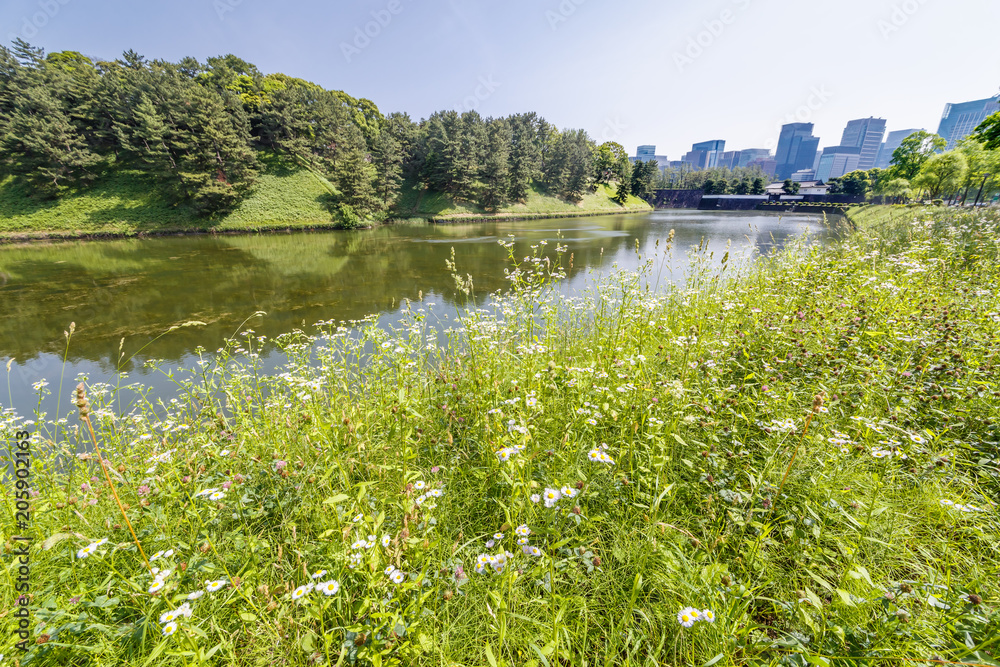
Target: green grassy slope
125	202
128	202
417	203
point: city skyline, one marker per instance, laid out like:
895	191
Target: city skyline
654	73
865	143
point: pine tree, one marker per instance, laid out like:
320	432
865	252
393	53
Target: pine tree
355	176
525	155
388	156
495	171
42	147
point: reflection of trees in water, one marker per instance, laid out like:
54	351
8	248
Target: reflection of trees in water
137	289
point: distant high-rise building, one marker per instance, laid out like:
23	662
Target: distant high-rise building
866	134
728	159
959	120
646	153
837	161
796	149
891	143
748	155
705	154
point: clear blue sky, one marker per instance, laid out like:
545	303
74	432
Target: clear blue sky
667	72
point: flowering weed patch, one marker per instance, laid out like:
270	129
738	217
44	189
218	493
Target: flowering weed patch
794	466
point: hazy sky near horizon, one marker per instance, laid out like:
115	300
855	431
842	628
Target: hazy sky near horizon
664	72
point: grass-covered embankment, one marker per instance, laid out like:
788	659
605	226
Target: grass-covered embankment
808	451
124	202
437	206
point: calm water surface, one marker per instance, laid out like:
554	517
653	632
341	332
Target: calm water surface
137	289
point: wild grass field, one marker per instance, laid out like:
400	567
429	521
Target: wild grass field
796	465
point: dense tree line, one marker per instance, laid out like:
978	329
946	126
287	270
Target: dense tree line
716	180
921	168
199	128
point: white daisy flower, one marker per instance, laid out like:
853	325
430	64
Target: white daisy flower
156	586
195	595
397	577
386	541
551	496
684	617
212	586
301	591
317	575
522	530
87	550
218	495
169	629
568	491
329	587
168	616
419	486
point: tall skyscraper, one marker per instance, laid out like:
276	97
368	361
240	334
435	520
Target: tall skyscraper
644	153
748	155
866	134
728	159
796	149
959	120
837	161
705	154
891	143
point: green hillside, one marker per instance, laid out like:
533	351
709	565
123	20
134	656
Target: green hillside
125	202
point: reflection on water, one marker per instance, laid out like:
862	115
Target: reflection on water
138	288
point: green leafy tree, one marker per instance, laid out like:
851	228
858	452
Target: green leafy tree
898	189
942	174
855	184
988	132
981	163
790	187
608	159
913	152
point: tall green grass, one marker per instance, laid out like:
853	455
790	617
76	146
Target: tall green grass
809	451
